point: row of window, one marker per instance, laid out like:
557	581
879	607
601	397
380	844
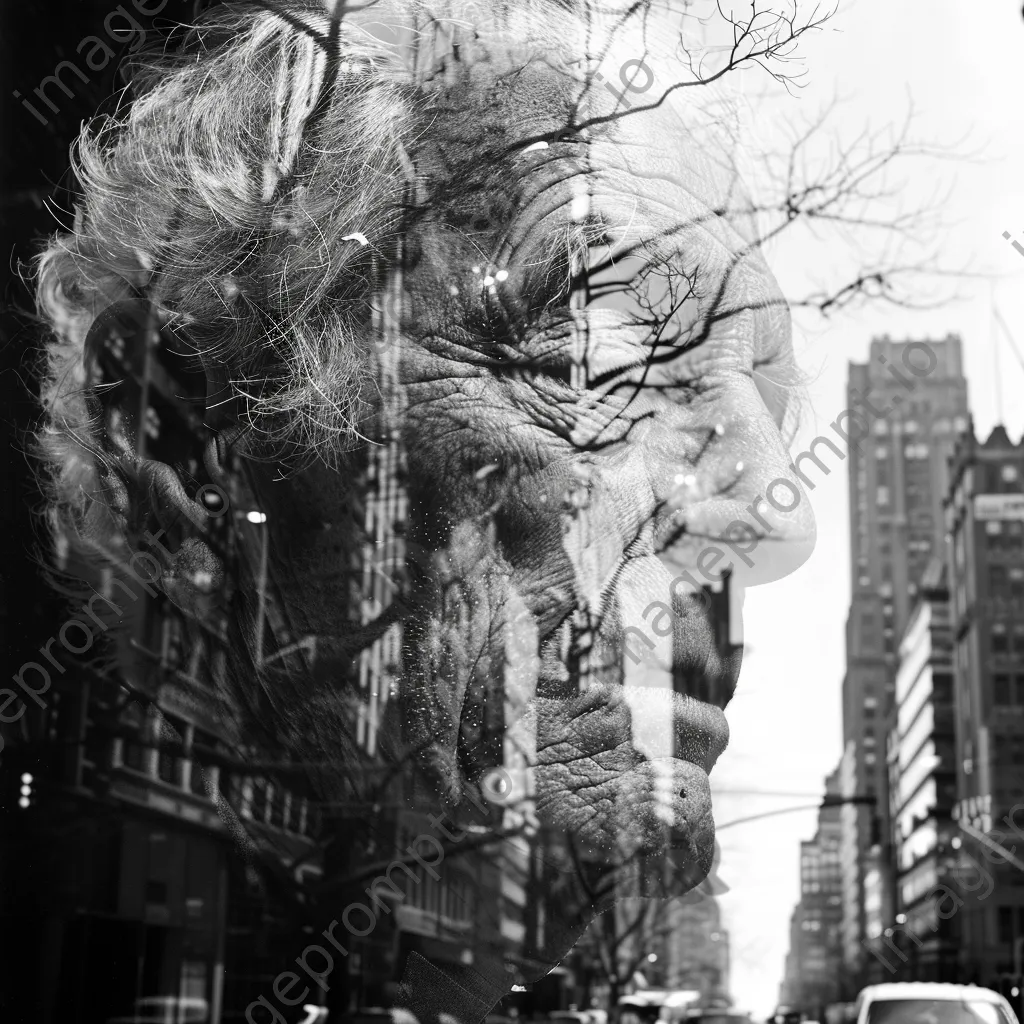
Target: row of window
1007	690
452	896
1010	923
1003	536
272	804
999	639
911	452
941	426
180	755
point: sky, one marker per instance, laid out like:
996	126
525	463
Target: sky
961	66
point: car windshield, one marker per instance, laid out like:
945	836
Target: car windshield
935	1011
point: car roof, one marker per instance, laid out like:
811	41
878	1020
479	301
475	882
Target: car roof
930	990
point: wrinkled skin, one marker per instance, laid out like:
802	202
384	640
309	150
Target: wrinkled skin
590	362
496	436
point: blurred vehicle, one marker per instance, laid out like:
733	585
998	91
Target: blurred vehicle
786	1015
715	1015
840	1013
649	1005
578	1017
920	1002
376	1015
571	1017
166	1010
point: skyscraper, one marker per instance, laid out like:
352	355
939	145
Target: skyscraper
811	980
906	406
986	566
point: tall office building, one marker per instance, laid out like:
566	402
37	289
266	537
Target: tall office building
811	979
985	520
909	401
922	790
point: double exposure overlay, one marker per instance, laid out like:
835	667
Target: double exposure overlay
415	408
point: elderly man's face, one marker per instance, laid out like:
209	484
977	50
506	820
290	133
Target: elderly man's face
577	364
579	361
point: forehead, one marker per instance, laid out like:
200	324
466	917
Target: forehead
539	110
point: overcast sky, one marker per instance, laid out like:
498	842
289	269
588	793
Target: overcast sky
962	67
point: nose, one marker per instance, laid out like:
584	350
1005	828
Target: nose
739	505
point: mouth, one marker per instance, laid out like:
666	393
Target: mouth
624	770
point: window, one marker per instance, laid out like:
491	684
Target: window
1001	690
993	527
170	736
1008	473
133	750
279	803
259	799
997	579
880	427
910	427
881	452
1006	924
882	496
999	639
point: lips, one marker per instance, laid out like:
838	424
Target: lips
624	771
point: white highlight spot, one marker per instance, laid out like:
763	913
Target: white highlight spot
739	466
535	146
580	207
488	279
719	429
476	270
502	275
357	236
256	517
452	290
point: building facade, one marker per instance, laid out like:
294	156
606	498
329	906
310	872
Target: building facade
985	521
812	973
922	790
905	408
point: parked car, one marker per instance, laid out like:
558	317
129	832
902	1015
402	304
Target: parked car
717	1016
166	1010
919	1002
570	1017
